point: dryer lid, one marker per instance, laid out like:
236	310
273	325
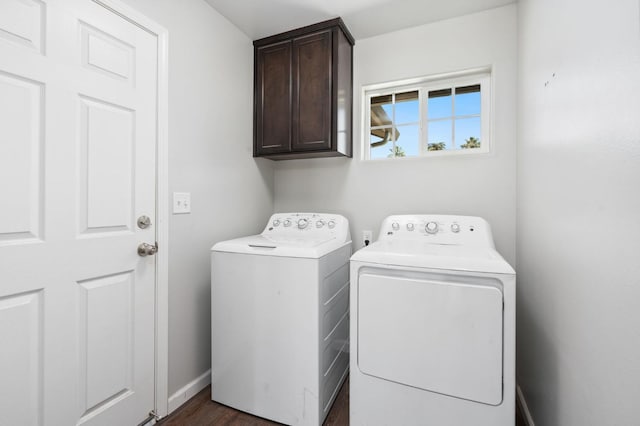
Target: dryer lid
421	254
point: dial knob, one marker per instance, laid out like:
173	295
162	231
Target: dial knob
320	224
455	228
331	224
395	226
276	222
410	226
431	227
287	222
302	223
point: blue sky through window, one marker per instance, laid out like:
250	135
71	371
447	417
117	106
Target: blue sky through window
441	121
407	112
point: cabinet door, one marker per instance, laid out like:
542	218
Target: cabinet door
273	99
312	92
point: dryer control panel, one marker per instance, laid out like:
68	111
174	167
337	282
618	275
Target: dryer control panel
312	226
438	229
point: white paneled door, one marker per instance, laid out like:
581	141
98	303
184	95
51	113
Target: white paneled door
78	120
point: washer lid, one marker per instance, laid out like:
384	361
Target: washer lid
311	248
420	254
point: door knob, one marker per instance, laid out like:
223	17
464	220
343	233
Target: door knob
146	249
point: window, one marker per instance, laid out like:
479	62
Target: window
428	117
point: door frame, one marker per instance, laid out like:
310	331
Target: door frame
162	199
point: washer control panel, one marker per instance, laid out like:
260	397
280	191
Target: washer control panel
438	229
308	225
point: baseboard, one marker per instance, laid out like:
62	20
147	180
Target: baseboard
189	391
524	409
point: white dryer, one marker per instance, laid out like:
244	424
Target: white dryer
433	326
280	318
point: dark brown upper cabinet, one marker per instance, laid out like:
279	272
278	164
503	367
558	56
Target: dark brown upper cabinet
303	99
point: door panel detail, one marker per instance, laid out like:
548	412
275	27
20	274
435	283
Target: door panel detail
22	22
273	102
107	54
106	167
21	121
106	331
312	92
21	359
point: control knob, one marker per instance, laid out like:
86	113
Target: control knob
320	224
276	222
331	224
410	227
302	223
287	222
455	228
395	226
431	227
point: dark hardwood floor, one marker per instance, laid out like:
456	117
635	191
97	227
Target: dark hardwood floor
201	411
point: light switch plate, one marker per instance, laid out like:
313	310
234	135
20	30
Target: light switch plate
181	202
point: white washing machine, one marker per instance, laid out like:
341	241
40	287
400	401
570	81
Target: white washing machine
433	326
280	318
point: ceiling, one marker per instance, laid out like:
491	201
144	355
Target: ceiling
364	18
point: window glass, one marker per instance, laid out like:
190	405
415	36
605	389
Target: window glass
443	115
379	149
468	100
407	107
381	110
440	104
440	135
468	134
407	142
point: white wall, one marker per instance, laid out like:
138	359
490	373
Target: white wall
579	211
210	155
367	192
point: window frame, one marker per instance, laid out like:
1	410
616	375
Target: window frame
424	85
